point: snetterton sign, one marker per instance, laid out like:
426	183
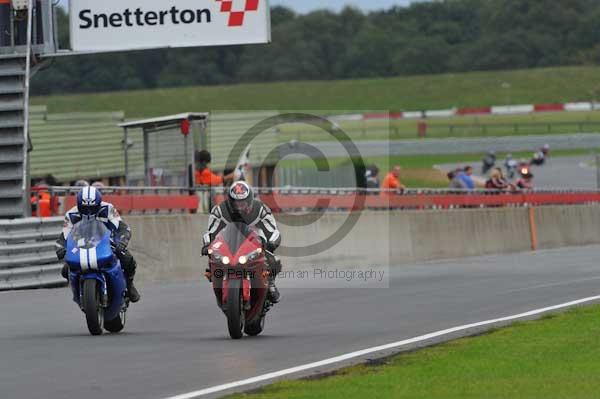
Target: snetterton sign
115	25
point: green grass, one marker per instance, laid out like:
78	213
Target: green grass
557	357
467	126
403	93
428	161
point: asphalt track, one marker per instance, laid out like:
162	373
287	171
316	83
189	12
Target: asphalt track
176	339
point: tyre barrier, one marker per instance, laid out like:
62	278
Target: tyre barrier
27	254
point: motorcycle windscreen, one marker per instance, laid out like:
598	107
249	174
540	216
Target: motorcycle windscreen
235	234
88	245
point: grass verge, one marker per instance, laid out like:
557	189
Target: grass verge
556	357
414	93
549	123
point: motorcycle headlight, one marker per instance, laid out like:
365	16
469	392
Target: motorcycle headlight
243	260
220	258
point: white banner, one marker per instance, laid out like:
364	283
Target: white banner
115	25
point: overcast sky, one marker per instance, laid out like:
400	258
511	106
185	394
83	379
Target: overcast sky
303	6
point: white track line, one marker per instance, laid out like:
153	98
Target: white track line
352	355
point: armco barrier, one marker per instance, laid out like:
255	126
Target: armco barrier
146	203
280	201
287	199
27	253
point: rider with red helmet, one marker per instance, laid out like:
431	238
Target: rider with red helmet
241	206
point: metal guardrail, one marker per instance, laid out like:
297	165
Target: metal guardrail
177	200
67	190
56	200
27	254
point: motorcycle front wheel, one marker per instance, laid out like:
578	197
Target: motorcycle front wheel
254	329
117	324
94	314
235	317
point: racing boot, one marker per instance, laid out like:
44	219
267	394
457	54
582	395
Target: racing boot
132	292
273	291
65	272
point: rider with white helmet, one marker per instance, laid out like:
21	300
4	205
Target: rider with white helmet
90	205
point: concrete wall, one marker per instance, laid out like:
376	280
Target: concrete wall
469	232
168	247
560	226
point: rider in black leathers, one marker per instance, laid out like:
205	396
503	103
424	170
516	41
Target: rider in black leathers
241	207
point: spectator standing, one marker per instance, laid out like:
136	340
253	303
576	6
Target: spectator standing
497	181
372	177
41	200
466	176
392	180
455	181
204	176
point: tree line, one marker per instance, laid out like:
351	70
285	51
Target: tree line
424	38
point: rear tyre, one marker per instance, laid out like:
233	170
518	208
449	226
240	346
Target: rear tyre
94	314
117	324
235	319
254	329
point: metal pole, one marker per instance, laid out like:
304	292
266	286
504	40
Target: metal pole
187	181
146	163
26	183
126	148
597	156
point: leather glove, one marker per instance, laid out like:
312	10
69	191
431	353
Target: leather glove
125	240
205	250
119	247
61	253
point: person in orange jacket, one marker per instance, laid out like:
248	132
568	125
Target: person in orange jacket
392	180
40	201
204	176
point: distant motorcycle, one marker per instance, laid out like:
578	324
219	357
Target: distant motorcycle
488	162
239	275
511	166
539	159
96	277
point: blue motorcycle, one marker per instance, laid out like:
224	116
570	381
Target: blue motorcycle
96	277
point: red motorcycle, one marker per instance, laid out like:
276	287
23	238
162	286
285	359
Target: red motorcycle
240	277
